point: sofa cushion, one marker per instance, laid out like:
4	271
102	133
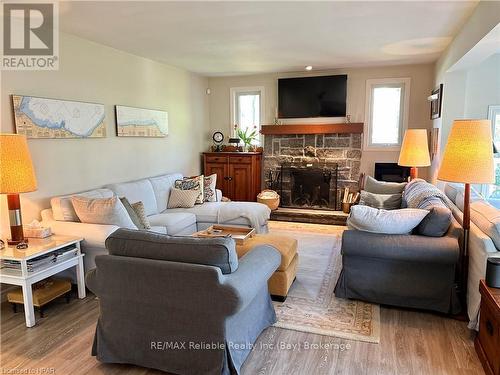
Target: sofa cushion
385	201
218	252
436	223
175	222
487	218
382	187
372	220
102	211
62	208
135	191
161	186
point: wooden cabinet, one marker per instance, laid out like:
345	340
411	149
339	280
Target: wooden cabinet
487	342
238	173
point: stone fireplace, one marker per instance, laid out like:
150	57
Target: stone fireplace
311	170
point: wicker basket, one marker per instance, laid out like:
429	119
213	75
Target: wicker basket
272	202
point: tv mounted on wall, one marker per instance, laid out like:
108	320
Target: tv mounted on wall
323	96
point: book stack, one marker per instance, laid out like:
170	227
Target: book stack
42	261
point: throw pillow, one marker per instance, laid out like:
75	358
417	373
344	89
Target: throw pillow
141	213
436	223
385	201
102	211
192	183
63	210
369	219
133	215
182	198
382	187
487	218
209	193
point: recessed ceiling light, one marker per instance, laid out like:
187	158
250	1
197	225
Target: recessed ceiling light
309	67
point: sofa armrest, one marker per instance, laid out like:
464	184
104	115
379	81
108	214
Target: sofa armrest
94	235
254	270
218	195
410	248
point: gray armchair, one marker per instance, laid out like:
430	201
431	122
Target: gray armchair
180	304
402	270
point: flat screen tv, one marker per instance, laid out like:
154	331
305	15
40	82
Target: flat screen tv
323	96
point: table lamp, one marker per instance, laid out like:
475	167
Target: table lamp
468	158
414	151
16	176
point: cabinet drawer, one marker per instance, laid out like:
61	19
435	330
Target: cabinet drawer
216	159
489	336
240	160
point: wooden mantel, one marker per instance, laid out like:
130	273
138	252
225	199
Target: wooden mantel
352	128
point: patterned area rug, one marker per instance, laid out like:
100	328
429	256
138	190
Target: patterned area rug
311	305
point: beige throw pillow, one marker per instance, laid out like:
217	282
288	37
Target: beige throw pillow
192	183
141	213
182	198
102	211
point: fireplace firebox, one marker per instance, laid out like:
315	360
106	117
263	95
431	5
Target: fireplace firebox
308	186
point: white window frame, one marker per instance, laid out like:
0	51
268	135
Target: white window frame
493	110
370	84
233	91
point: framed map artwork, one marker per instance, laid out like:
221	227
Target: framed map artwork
140	122
53	118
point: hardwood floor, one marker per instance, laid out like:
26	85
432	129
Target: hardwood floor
411	343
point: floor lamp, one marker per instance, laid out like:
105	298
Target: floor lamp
468	158
414	151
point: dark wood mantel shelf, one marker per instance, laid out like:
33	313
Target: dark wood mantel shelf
355	127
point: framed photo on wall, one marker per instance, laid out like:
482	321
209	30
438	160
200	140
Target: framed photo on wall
436	99
140	122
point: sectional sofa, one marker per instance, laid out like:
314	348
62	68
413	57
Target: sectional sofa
154	193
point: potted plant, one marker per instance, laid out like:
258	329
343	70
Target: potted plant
247	136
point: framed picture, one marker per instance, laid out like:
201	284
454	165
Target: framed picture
54	118
140	122
436	99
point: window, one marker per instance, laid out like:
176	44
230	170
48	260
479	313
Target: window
492	192
247	107
386	113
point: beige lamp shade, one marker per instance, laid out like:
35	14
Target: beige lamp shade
415	149
16	169
468	156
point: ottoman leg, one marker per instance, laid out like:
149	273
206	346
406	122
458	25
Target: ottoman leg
278	298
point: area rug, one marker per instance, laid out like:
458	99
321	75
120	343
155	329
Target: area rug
311	305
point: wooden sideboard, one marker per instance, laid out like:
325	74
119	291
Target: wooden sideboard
238	173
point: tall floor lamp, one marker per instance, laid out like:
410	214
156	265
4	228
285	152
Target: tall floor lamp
468	158
414	151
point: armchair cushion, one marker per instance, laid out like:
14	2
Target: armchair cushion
218	252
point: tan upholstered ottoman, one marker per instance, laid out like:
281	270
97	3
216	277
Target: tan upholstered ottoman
282	279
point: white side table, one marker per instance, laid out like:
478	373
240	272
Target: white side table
26	277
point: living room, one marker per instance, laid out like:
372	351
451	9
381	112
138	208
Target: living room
250	187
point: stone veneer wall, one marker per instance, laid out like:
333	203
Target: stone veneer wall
320	149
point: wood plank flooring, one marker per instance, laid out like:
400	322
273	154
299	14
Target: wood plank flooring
412	342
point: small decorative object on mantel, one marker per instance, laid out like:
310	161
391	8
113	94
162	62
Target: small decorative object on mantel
218	138
347	119
436	99
140	122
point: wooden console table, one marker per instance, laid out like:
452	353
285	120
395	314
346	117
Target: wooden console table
487	342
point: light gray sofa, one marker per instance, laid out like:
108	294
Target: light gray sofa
154	193
160	297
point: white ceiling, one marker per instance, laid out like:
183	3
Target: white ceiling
224	38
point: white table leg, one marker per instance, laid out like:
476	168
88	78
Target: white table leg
80	278
29	311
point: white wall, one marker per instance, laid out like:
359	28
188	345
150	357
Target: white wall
421	85
96	73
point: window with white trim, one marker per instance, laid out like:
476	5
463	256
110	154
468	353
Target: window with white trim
247	107
492	191
386	117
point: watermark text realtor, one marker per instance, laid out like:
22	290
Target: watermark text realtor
30	39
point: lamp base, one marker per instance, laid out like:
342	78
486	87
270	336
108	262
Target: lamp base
413	173
16	225
16	242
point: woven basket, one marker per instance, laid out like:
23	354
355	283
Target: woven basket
273	202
